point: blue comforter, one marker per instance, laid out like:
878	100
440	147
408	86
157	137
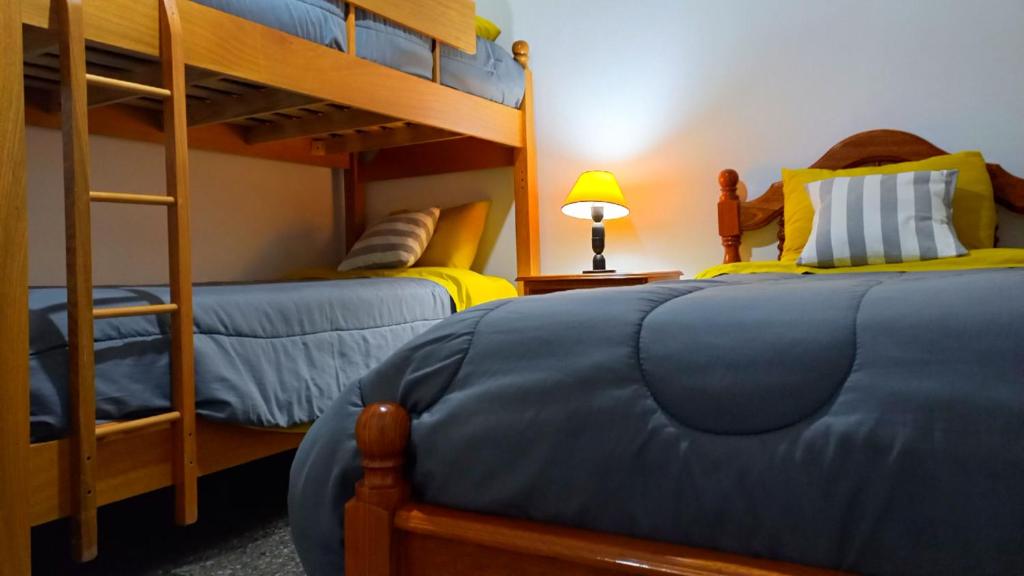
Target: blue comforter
866	422
271	355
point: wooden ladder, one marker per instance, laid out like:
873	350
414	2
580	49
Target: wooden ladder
78	197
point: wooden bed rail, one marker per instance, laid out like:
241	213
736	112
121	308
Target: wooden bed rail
871	148
448	21
386	534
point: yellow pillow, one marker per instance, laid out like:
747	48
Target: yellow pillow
974	207
486	29
457	236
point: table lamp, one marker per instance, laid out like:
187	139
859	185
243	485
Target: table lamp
596	195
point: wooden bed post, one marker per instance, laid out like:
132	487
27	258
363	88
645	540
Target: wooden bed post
729	215
527	223
371	549
355	202
15	548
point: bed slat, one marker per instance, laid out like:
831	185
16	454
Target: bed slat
325	123
387	138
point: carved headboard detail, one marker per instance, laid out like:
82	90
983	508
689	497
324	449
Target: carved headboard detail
872	148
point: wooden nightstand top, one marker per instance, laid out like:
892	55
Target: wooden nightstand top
545	284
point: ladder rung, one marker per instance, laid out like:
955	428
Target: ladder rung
128	426
144	89
118	198
100	313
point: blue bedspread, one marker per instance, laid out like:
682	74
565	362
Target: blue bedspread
490	73
866	422
271	355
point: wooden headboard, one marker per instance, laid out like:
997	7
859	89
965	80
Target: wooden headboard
872	148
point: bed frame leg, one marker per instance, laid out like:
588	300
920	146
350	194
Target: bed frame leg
382	434
525	160
15	532
355	202
729	225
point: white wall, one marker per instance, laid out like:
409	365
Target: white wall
666	93
251	219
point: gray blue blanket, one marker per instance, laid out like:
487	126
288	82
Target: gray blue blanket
272	355
869	422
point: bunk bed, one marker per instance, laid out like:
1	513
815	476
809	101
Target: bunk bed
194	75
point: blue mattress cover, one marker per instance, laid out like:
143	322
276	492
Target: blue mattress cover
865	422
269	355
491	73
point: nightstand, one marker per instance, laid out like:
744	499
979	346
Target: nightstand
534	285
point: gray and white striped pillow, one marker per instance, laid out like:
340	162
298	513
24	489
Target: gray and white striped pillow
882	219
397	241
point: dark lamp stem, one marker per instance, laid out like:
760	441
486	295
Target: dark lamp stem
597	237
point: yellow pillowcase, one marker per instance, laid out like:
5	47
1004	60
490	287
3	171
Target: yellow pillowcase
486	29
974	207
457	236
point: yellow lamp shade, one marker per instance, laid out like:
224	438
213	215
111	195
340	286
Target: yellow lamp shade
595	189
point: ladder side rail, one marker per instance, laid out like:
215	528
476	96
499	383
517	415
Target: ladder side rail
183	393
81	386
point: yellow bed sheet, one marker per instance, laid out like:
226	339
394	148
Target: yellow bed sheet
467	288
976	259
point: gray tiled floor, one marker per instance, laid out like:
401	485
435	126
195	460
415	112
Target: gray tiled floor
242	530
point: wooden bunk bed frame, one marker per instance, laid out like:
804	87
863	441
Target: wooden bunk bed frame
127	69
387	533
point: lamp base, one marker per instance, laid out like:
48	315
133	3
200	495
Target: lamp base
599	271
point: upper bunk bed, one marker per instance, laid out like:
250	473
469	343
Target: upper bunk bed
241	70
247	96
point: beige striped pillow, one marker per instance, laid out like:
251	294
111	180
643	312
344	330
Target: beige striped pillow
397	241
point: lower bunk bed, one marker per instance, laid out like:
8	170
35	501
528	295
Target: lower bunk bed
270	358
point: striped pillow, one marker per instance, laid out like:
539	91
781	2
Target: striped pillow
397	241
882	219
